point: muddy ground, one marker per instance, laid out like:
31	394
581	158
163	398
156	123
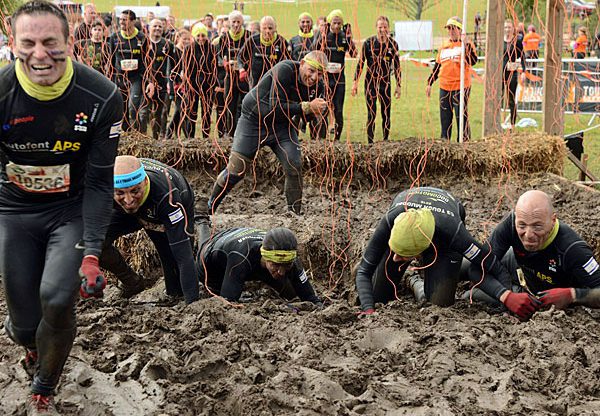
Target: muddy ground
148	356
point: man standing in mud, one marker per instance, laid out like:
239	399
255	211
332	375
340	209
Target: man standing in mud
61	122
289	89
548	262
152	196
425	223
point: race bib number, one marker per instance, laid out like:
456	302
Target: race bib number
512	66
39	179
334	67
129	64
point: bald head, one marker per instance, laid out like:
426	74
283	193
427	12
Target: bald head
126	164
534	219
535	201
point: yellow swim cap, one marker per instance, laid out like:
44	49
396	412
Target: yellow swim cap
199	29
335	13
412	232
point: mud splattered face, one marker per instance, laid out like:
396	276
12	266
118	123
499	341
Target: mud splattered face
278	270
40	44
533	226
130	199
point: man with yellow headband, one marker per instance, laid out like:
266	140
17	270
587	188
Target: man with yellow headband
262	51
152	196
61	122
238	255
549	263
425	223
290	89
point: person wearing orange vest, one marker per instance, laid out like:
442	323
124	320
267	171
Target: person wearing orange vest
580	44
531	43
447	69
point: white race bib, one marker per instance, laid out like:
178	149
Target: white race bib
512	66
129	64
39	179
334	67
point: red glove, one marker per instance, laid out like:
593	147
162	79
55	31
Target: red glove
367	312
561	297
92	282
243	75
521	304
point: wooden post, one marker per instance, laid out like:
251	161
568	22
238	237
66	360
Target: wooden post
584	160
492	92
553	83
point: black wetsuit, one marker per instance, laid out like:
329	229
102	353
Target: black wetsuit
513	58
568	261
202	71
267	111
335	47
93	54
57	189
381	60
128	61
161	55
378	274
235	90
219	98
300	45
258	58
167	216
232	258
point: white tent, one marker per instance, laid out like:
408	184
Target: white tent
142	11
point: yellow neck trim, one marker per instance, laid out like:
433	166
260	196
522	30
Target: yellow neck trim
135	32
305	35
551	236
44	92
146	191
268	43
235	37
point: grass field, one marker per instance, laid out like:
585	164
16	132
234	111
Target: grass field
413	114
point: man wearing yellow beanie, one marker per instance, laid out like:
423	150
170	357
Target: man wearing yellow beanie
301	44
427	223
335	39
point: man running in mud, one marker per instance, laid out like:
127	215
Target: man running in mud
427	223
155	197
238	255
61	125
548	262
289	89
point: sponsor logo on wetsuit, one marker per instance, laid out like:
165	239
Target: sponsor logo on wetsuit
81	120
16	121
29	146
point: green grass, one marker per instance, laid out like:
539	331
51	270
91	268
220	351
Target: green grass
413	114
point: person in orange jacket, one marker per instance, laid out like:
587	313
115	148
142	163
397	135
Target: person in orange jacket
580	44
531	44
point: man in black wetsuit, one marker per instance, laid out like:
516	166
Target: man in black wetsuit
261	52
236	83
380	53
548	262
93	51
61	122
287	90
238	255
160	63
128	49
427	223
335	39
155	197
301	44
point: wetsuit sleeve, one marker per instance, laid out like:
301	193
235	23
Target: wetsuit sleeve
98	193
470	54
396	59
521	54
376	249
434	74
496	280
283	76
175	220
245	54
212	63
580	261
237	271
300	282
361	61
